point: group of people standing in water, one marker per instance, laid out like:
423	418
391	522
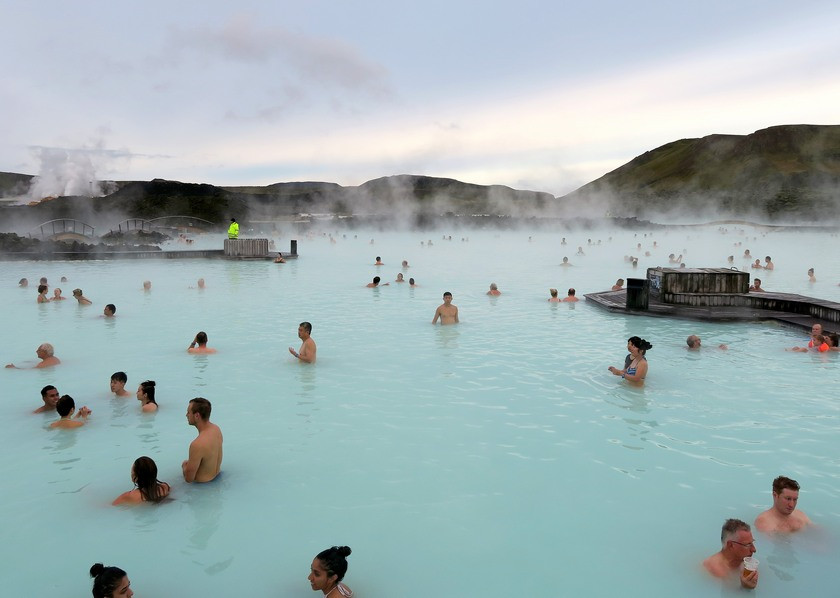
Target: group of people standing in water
325	575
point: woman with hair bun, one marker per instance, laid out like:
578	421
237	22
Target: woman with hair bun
149	488
146	396
327	571
110	582
636	366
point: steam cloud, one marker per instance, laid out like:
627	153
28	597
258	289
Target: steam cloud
63	173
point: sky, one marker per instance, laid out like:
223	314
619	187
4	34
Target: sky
544	96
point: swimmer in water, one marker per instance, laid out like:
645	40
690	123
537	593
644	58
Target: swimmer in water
46	354
200	340
694	343
146	396
411	283
570	297
57	295
79	296
400	278
554	298
375	283
42	293
811	277
566	262
110	310
118	381
327	570
737	543
636	370
66	407
446	312
494	290
379	262
619	285
110	582
205	457
50	396
768	263
308	349
147	285
757	265
148	488
756	286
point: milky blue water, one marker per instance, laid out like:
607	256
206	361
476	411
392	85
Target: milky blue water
496	458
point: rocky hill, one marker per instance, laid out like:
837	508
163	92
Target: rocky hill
783	173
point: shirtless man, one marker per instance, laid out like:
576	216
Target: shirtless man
118	380
375	283
570	297
49	394
66	406
308	348
200	340
494	290
110	310
378	261
783	516
768	263
446	312
79	296
205	459
694	343
45	354
756	287
737	541
619	285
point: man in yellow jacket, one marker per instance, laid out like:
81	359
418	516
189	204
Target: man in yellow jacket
233	229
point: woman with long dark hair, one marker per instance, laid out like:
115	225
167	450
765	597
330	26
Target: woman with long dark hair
636	366
110	582
148	487
327	571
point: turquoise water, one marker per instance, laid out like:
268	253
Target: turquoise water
498	457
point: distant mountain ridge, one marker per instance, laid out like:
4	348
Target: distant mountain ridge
787	172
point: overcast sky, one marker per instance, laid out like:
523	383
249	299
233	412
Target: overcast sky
535	95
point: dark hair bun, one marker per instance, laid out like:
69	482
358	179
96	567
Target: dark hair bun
343	551
97	569
645	346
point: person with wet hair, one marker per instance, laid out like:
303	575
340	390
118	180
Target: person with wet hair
65	407
768	263
619	285
57	296
570	296
23	283
756	286
148	488
783	515
200	340
411	282
50	396
110	310
400	277
378	261
446	312
737	543
811	277
494	290
80	297
635	369
328	569
308	349
118	381
110	582
205	457
375	283
42	293
146	396
554	298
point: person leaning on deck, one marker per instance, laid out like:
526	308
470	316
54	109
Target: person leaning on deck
756	287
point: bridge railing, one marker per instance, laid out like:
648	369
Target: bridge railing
61	226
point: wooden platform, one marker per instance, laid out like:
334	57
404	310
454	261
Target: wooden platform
803	311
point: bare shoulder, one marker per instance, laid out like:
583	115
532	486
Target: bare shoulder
715	565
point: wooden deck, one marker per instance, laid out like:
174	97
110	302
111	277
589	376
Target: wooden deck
615	301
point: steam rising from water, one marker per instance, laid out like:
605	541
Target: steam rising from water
63	173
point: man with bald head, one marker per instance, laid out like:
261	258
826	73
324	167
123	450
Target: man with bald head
46	354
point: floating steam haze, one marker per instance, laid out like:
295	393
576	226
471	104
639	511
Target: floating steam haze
65	173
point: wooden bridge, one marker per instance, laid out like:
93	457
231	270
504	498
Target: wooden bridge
63	229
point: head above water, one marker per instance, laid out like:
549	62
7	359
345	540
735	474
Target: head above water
306	326
640	343
730	529
201	407
107	580
201	337
784	483
47	349
110	309
147	387
65	405
119	377
334	560
693	342
144	474
553	292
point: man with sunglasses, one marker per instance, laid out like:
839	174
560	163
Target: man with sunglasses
736	544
